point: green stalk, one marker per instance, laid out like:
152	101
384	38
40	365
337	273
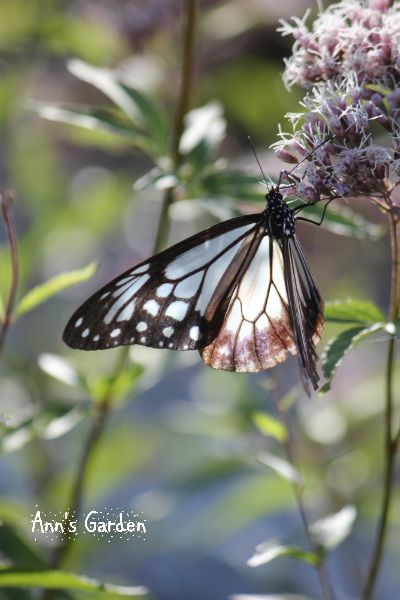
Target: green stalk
391	440
5	202
326	588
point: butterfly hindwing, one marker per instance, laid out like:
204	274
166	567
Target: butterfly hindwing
256	332
306	309
163	302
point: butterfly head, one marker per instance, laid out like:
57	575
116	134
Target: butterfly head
280	217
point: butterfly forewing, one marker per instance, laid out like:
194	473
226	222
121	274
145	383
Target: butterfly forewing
163	302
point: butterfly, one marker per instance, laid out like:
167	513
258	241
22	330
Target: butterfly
240	292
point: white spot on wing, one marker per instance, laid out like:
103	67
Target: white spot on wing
143	339
127	313
79	322
235	317
152	307
85	333
126	295
168	331
197	257
96	338
115	332
177	310
213	277
188	287
194	333
164	290
141	269
142	326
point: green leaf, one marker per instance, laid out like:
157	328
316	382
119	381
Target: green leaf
273	549
44	291
268	597
17	550
270	426
353	311
339	346
59	368
331	531
342	221
280	466
93	119
64	581
121	385
150	117
233	183
205	129
136	106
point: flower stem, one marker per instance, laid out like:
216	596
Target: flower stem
103	407
391	440
326	588
5	200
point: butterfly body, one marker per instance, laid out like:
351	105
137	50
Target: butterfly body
240	292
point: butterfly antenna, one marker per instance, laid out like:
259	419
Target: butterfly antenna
258	162
307	156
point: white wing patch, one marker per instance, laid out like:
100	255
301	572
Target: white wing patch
203	254
256	332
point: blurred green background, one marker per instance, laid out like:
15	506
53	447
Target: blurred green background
182	446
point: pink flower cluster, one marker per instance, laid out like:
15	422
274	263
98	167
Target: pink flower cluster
349	37
349	63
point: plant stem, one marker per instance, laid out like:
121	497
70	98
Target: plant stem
5	201
326	588
181	110
103	407
391	440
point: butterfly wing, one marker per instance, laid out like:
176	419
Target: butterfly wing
256	332
306	309
163	302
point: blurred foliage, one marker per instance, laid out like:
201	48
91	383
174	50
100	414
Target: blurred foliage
199	452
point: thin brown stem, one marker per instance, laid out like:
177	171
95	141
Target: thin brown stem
391	440
181	110
5	200
103	407
326	588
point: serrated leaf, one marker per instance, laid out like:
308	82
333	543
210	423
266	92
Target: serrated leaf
339	346
270	426
280	466
273	549
353	311
53	286
64	581
331	531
